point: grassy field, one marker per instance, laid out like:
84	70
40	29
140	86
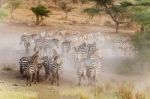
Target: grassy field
76	92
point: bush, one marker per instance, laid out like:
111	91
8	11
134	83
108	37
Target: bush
66	8
92	12
126	92
3	13
13	4
40	12
7	68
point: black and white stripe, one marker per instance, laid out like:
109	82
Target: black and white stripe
45	44
89	69
53	68
124	47
24	63
32	69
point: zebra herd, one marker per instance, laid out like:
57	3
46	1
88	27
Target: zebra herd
30	67
124	47
49	50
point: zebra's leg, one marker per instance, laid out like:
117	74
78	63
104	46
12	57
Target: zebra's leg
46	76
57	79
89	81
27	80
35	77
31	77
80	78
94	80
35	47
27	48
50	76
52	80
21	72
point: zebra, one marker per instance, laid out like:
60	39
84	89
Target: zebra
66	45
81	51
124	47
27	39
32	69
88	69
85	50
91	48
24	63
43	44
52	67
89	60
46	61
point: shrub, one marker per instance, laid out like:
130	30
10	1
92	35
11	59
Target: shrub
13	5
66	8
7	68
3	13
126	92
40	12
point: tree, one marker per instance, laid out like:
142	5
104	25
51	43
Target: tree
66	8
82	3
141	39
40	12
118	13
13	5
92	12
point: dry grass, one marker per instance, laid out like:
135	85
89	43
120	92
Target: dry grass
7	92
140	95
71	92
17	95
126	92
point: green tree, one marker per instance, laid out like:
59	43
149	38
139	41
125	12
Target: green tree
141	39
40	12
118	13
92	12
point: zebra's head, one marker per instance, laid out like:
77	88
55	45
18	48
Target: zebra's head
35	57
58	60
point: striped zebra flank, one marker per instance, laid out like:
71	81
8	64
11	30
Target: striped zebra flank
89	69
24	63
32	69
55	69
